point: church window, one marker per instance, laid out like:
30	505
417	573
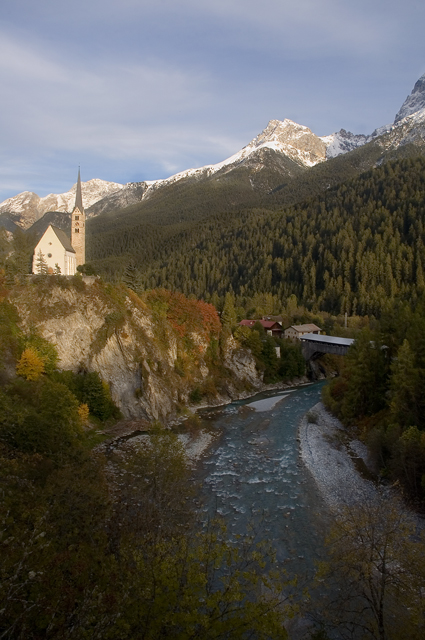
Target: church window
77	224
77	230
77	217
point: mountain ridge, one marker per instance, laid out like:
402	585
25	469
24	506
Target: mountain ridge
282	151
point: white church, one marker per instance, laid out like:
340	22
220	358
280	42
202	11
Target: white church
62	254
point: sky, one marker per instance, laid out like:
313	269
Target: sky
136	90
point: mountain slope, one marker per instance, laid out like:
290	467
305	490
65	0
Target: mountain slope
352	249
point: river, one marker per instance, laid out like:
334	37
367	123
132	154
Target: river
253	475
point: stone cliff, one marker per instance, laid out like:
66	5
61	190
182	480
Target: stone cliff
157	354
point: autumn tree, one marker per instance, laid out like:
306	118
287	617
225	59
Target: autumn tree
374	576
30	366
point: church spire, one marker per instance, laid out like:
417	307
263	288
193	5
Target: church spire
79	197
78	226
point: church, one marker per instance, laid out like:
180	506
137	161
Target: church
55	252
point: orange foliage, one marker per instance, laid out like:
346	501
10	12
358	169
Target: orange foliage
186	316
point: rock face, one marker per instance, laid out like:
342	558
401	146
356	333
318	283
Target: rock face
132	351
294	140
342	142
414	102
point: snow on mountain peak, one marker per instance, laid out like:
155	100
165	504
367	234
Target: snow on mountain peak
29	207
414	102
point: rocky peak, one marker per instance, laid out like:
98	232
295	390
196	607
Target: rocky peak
27	207
342	142
414	102
294	140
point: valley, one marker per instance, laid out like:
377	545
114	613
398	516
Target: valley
106	541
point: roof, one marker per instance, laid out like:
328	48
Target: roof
267	324
63	239
312	337
78	195
302	328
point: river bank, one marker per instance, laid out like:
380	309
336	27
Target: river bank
329	457
129	432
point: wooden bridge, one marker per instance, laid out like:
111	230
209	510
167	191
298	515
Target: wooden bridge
314	345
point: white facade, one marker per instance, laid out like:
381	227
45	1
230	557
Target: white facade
56	249
298	330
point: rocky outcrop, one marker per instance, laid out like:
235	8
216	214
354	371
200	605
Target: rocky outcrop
133	351
414	102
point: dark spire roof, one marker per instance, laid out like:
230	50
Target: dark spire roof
79	197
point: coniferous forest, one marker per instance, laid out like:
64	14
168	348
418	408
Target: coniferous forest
354	249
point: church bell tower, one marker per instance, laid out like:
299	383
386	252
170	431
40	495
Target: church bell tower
78	226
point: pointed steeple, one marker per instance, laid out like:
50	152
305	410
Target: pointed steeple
78	226
78	196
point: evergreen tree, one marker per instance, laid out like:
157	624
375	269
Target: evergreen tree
41	264
406	388
228	316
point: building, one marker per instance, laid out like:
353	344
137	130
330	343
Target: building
271	327
56	252
297	330
78	226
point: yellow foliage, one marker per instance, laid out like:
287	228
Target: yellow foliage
83	412
30	365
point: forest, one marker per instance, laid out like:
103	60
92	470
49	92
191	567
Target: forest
355	249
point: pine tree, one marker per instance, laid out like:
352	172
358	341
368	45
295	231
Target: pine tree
41	263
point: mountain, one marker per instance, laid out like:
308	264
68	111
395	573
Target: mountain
408	126
414	103
26	208
286	162
293	146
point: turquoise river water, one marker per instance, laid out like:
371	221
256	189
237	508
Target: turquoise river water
254	476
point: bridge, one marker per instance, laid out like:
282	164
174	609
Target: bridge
314	345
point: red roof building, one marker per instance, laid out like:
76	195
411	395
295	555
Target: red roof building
270	326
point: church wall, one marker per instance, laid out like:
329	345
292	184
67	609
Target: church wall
54	253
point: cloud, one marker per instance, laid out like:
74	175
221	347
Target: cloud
145	86
104	107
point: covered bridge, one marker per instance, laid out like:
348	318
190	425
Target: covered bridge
314	345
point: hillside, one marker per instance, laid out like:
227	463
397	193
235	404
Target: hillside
351	249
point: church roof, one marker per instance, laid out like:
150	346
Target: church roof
78	195
63	238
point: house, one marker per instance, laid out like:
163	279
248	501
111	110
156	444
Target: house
271	327
56	252
297	330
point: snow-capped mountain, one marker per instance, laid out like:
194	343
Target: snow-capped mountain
289	140
293	140
280	151
414	102
402	130
27	207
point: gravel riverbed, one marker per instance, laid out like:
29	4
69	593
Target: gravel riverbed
327	457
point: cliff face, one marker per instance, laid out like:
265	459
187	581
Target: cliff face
152	363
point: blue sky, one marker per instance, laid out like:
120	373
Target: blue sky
140	89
